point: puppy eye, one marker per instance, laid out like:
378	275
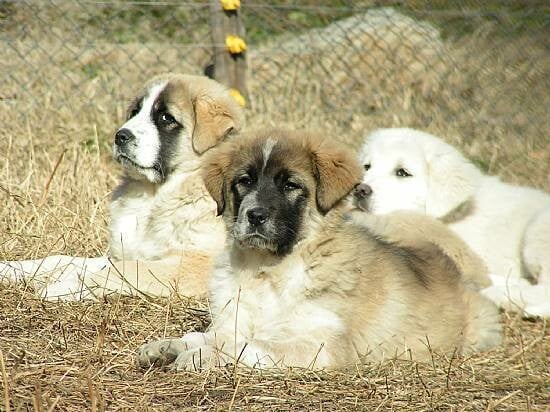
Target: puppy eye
167	118
367	166
402	173
290	186
244	180
133	113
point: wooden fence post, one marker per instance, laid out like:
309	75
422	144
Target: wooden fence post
229	68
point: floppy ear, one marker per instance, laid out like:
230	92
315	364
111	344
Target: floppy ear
213	176
453	180
215	118
338	172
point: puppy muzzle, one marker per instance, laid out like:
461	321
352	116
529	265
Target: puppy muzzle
255	229
361	196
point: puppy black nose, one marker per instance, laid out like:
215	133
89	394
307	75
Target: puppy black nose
363	190
257	216
123	136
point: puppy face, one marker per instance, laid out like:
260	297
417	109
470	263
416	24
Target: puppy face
272	185
407	169
395	177
171	123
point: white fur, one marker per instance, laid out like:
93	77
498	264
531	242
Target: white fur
144	129
179	225
507	225
262	315
249	315
266	150
58	276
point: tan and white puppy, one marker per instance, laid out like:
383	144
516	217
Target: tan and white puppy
164	228
507	226
162	207
302	283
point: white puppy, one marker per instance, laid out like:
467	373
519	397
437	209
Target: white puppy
507	225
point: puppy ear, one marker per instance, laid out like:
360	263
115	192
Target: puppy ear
338	172
453	180
215	118
213	171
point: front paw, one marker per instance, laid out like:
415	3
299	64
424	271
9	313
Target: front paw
202	357
196	359
160	352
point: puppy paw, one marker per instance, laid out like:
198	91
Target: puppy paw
196	359
160	352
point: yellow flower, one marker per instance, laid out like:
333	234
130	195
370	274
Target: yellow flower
235	44
230	4
237	96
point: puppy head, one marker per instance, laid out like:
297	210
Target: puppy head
271	184
406	169
171	123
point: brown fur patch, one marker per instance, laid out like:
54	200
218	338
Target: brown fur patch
338	173
213	122
216	113
213	174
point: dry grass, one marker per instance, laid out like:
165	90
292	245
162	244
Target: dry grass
488	95
80	357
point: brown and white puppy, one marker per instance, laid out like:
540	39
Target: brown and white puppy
302	284
162	207
161	213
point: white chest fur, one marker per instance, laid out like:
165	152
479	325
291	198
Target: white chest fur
151	221
269	305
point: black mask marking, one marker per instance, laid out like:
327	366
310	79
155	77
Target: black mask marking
279	191
134	108
168	129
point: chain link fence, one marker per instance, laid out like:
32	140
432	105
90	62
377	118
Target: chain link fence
465	69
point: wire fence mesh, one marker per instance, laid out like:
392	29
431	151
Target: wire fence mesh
473	67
